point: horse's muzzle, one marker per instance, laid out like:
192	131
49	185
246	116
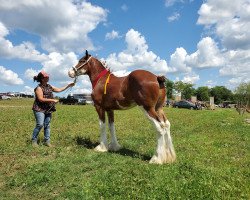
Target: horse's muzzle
71	73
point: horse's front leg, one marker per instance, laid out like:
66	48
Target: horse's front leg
103	146
114	145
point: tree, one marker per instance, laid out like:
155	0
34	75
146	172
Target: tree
221	93
186	89
242	96
203	93
169	87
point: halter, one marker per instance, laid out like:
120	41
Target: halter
76	69
103	73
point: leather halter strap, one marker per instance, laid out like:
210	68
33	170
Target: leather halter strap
76	69
103	72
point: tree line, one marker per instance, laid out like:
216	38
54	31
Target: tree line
203	93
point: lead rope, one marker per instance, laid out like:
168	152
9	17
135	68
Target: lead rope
69	89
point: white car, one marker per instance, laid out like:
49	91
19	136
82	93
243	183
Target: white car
4	97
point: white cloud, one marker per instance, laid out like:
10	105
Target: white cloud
121	73
230	22
230	19
136	55
24	51
175	16
3	30
191	78
30	73
238	64
207	55
8	77
112	35
57	65
178	61
62	24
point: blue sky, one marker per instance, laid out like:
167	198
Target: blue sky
206	43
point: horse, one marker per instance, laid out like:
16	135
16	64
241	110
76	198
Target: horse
110	93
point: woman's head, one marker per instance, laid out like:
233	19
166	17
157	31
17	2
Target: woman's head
41	76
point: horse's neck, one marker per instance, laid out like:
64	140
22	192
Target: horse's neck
96	69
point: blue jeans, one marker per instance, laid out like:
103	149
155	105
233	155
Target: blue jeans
42	120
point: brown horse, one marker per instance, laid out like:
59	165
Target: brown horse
111	93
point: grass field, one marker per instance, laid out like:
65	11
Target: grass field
212	147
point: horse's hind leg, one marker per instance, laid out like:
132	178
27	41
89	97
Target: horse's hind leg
165	151
114	145
103	146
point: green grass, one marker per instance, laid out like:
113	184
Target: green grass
212	147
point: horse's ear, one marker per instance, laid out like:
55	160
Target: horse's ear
87	54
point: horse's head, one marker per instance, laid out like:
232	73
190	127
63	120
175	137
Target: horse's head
81	67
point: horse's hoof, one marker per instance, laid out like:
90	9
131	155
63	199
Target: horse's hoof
114	147
155	160
101	148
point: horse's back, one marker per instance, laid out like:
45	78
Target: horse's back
141	75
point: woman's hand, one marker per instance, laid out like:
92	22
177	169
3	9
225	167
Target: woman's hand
55	100
71	84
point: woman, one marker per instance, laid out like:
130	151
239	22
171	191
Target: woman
43	106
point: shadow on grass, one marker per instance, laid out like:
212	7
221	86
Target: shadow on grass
87	143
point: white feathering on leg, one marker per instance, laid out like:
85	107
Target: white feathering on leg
103	146
114	145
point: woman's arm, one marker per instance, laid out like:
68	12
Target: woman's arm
39	95
55	89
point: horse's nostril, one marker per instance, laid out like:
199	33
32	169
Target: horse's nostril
71	73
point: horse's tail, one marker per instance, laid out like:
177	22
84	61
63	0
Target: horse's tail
161	80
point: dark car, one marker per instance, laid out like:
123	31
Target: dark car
185	104
71	100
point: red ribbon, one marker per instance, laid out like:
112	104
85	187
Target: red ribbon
105	71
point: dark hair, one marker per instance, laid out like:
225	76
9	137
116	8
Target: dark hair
40	76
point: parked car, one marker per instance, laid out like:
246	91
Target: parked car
71	100
169	103
82	101
185	104
5	97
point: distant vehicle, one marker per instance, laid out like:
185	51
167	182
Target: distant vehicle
71	100
185	104
227	104
5	97
82	101
168	102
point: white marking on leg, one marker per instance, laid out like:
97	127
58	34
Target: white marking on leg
164	151
171	156
103	146
114	145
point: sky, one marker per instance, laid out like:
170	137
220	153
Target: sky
206	43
